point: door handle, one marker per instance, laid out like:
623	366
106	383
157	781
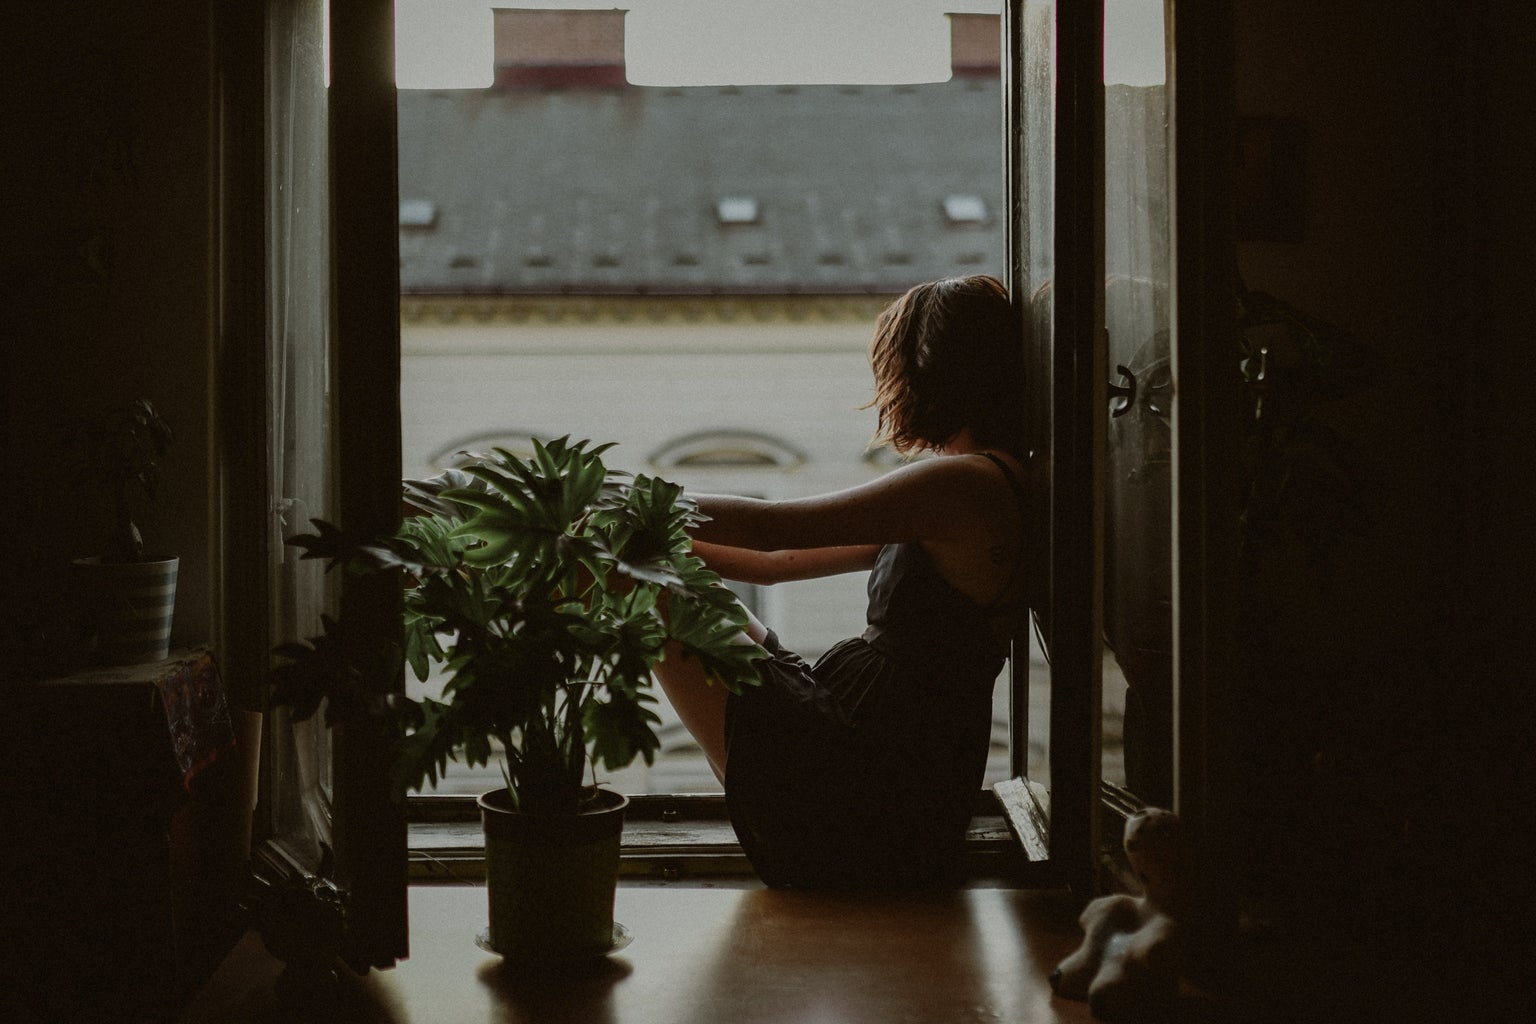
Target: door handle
1125	393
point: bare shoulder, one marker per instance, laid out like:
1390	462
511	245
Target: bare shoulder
967	491
967	470
975	474
1016	466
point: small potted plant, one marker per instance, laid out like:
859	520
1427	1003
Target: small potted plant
547	589
130	595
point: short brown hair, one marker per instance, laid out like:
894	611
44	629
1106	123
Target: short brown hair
949	355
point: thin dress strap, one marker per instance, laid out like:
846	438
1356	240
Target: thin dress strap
1021	497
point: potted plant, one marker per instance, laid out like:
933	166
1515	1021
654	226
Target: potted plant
547	589
130	595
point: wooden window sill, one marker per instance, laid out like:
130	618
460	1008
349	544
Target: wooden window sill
453	851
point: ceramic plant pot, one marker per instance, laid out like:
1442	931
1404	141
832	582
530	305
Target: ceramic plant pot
551	878
130	605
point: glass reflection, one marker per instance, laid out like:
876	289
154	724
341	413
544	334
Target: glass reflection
1138	563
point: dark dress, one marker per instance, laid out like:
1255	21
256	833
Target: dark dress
862	770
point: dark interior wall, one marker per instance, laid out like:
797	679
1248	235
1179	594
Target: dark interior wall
1344	618
1367	83
1418	241
109	287
1418	219
1493	326
108	279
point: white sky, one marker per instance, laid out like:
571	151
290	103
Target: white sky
446	44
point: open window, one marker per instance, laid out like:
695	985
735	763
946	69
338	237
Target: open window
309	412
692	267
666	282
1049	238
1115	244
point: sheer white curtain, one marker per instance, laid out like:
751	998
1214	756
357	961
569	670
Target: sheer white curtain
300	392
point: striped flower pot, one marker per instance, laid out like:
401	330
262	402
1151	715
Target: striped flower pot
130	606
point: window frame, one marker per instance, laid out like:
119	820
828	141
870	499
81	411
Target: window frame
1061	828
441	846
363	128
368	829
677	838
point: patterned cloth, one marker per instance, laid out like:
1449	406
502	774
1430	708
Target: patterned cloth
197	712
192	692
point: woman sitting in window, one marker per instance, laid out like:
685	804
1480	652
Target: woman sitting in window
862	770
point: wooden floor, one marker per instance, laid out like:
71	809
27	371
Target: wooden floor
707	955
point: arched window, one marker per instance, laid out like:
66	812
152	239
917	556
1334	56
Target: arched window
886	458
726	449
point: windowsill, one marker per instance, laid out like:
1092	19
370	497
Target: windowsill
680	839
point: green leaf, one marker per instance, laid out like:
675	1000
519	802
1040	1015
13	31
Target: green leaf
621	729
330	542
349	674
432	495
427	747
716	639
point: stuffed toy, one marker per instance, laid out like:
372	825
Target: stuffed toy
1127	968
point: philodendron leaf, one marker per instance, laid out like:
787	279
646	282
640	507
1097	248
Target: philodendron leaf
717	640
639	639
301	684
432	734
347	673
423	649
433	495
620	729
650	532
424	545
329	542
477	748
496	548
701	583
661	573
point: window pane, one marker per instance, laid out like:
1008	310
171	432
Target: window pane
299	393
1033	272
1138	659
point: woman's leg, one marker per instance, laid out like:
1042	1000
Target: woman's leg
700	704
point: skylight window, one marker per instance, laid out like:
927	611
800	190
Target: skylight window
418	213
965	209
737	210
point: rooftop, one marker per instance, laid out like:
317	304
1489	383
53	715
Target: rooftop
578	184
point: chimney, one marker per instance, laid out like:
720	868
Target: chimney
538	49
976	45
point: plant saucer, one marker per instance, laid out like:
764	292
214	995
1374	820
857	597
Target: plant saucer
621	938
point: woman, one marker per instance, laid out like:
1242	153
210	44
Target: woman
862	770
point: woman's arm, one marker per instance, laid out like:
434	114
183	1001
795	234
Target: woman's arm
769	567
932	500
